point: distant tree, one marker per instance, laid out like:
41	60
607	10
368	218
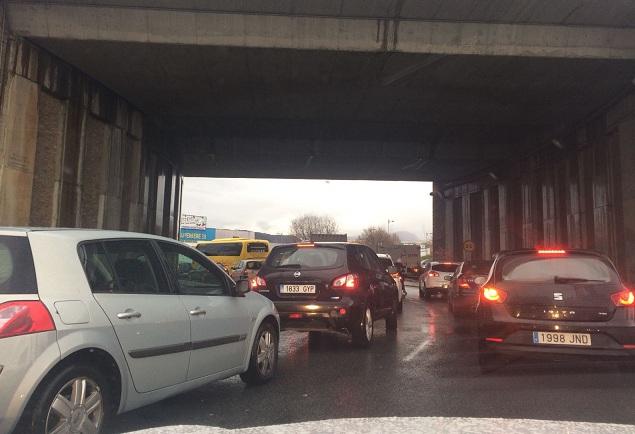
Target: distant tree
304	226
376	237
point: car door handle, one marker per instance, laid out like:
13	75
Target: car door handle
197	311
129	313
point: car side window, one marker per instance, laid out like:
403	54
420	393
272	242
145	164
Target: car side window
124	267
362	258
98	271
194	275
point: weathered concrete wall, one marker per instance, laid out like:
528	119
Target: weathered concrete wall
579	196
75	154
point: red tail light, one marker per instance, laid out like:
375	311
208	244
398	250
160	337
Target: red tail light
551	252
23	318
463	283
623	298
257	283
493	295
347	281
433	274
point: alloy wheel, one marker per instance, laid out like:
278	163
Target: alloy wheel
368	323
266	353
77	408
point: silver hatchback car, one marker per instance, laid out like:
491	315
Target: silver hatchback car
94	323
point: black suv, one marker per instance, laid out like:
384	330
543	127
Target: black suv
329	286
554	302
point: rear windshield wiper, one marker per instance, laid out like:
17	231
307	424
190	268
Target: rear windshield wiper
289	266
558	279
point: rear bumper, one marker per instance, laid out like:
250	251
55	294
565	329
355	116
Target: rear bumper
613	338
317	315
25	360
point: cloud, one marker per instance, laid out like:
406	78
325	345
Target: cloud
269	205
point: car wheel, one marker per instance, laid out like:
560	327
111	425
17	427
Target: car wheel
315	338
264	356
391	319
421	294
77	398
363	331
400	306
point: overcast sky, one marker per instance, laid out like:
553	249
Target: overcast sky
269	205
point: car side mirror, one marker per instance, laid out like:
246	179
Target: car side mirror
391	269
242	287
480	280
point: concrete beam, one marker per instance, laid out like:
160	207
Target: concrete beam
145	25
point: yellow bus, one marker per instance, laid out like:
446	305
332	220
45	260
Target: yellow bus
230	251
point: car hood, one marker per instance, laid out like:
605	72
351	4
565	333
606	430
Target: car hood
411	425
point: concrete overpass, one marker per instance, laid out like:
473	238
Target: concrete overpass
521	111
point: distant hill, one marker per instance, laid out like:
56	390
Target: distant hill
407	237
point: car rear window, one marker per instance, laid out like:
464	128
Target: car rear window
221	249
576	268
306	257
445	268
477	267
17	273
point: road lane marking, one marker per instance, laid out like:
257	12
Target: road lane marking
422	346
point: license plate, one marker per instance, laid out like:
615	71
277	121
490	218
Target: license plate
297	289
558	338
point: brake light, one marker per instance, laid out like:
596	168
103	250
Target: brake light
494	295
257	283
23	318
306	245
433	274
463	283
347	281
551	252
623	298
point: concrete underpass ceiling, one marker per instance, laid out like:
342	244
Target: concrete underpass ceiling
331	114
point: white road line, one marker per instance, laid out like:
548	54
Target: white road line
422	346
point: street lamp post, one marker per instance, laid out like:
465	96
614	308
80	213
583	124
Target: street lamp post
389	222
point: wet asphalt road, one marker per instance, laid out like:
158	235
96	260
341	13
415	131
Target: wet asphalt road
427	369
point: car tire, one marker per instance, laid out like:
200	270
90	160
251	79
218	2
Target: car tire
400	306
264	356
53	401
391	319
364	329
421	294
315	339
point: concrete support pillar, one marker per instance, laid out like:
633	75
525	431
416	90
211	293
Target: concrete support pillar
18	142
626	143
95	174
47	181
439	225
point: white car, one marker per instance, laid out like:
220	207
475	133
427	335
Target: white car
94	323
435	278
386	260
